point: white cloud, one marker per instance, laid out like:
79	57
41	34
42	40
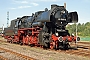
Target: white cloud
35	4
20	7
29	1
22	2
12	8
48	0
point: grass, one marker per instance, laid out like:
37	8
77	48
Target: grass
86	38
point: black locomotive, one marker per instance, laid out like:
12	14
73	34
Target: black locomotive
44	28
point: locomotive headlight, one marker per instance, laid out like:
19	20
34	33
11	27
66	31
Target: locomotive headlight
56	34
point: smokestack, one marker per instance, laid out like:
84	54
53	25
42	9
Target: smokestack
65	5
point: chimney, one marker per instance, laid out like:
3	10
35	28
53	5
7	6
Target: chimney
65	5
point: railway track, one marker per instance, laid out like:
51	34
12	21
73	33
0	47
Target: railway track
82	50
84	42
84	45
15	53
3	58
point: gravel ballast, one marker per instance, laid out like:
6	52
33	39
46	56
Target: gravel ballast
39	53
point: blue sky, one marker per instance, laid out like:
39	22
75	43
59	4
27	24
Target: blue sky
19	8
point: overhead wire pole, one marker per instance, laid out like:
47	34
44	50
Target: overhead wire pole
8	19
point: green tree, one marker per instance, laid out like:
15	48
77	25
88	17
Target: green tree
82	29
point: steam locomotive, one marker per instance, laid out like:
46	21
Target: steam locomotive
44	28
